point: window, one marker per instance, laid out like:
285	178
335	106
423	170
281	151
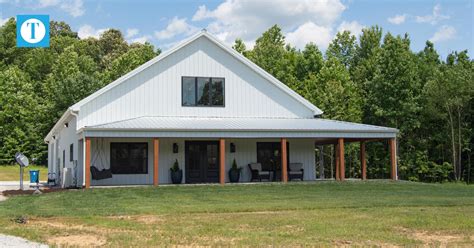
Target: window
129	158
202	91
71	152
269	155
64	158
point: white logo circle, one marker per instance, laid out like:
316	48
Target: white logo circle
33	30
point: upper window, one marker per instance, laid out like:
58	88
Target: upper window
129	158
203	91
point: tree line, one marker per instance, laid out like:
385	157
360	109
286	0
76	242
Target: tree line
374	79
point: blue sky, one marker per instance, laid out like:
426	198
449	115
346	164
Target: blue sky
449	24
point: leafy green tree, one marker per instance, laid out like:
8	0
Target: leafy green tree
112	45
73	77
449	98
240	47
136	56
343	48
61	29
335	92
269	50
310	62
17	116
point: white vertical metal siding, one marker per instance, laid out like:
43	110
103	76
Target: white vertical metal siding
156	91
65	137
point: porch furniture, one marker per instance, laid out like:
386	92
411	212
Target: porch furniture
258	173
296	171
100	174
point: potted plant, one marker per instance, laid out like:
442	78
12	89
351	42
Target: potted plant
176	173
234	172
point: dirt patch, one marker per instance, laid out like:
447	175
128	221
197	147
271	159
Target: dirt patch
29	192
433	238
436	238
79	240
149	219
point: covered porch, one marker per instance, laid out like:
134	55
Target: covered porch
169	139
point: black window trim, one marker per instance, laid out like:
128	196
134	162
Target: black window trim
196	92
146	162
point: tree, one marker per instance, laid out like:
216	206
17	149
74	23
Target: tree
61	29
136	56
310	62
73	77
240	47
343	48
17	116
269	50
449	97
111	46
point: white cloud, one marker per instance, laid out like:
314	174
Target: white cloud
248	19
3	21
354	27
444	33
398	19
73	7
141	39
87	31
175	27
434	18
310	32
131	32
201	14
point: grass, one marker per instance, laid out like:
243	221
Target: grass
12	172
358	213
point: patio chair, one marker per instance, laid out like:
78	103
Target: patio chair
296	171
258	173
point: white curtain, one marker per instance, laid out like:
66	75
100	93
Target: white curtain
100	160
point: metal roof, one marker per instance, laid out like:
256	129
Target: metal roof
167	123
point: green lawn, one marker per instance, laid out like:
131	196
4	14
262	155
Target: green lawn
12	172
324	213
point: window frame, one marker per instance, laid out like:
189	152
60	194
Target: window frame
128	150
196	92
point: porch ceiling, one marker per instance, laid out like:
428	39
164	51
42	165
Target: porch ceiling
237	127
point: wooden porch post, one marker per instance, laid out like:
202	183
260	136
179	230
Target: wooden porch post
156	150
393	158
362	160
336	158
88	163
340	144
222	161
284	162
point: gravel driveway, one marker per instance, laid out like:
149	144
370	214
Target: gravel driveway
12	241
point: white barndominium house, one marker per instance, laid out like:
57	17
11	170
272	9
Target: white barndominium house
203	105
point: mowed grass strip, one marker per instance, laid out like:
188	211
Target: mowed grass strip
12	172
322	213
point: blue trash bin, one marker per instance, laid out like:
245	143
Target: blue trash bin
34	176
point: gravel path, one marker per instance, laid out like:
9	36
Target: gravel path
12	241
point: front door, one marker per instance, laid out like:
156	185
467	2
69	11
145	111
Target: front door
201	161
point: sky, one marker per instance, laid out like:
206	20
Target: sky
448	24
